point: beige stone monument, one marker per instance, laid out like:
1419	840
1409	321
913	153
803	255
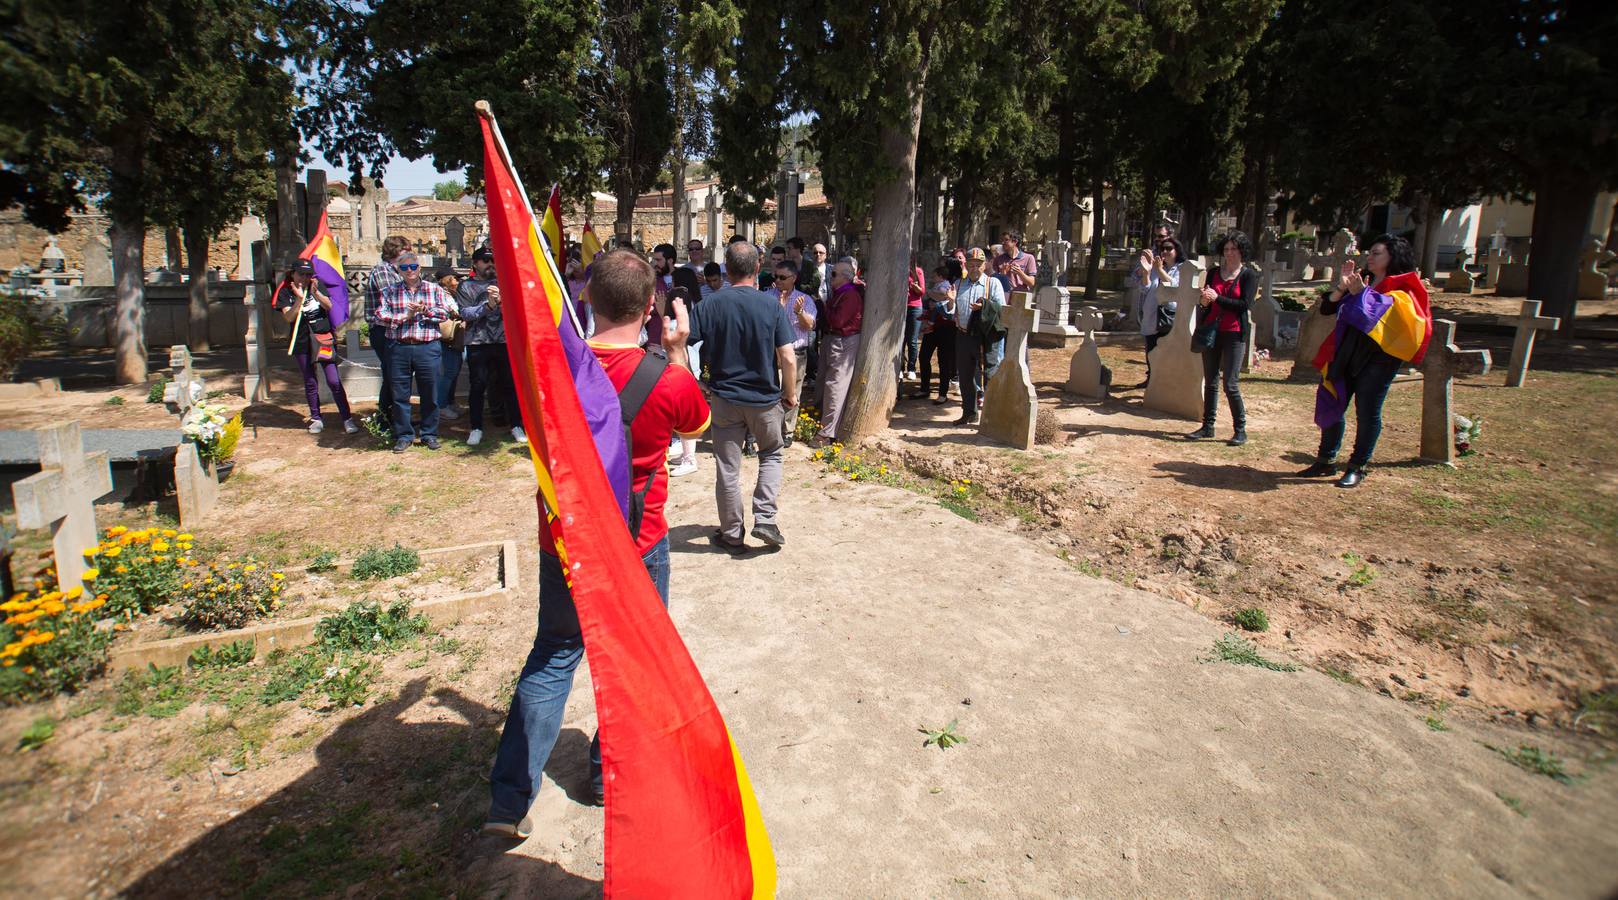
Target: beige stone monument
196	487
62	497
1443	362
1086	376
1496	259
1528	322
184	389
1010	404
1460	281
1592	281
1176	385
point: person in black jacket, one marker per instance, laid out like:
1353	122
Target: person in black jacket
1226	297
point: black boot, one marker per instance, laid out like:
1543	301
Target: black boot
1210	409
1322	468
1238	415
1352	476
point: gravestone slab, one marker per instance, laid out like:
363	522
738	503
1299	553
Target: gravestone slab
122	445
1528	322
1443	362
184	389
360	370
1053	312
1311	334
62	497
1176	383
195	485
1460	281
1267	310
1497	258
97	262
1086	376
455	237
1010	404
1513	280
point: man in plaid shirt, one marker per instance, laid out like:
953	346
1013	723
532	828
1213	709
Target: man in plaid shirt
382	276
411	311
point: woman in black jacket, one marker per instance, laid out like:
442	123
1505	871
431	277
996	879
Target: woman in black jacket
1226	297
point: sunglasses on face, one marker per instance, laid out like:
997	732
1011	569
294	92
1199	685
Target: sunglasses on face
409	267
783	277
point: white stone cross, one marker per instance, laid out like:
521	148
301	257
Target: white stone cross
1010	404
184	389
62	497
1176	384
1439	368
1086	376
1529	322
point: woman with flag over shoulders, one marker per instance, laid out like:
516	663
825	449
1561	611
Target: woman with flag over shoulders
1379	327
310	309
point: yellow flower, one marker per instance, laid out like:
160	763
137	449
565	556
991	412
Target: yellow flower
169	532
93	551
116	530
160	558
114	552
121	570
54	607
185	537
8	662
186	585
250	568
74	593
160	546
278	576
91	574
233	565
88	605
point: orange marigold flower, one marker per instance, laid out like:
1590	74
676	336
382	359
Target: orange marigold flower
116	530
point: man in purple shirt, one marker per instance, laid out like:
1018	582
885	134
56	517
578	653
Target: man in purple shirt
1019	268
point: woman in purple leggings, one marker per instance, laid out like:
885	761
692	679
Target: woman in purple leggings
305	304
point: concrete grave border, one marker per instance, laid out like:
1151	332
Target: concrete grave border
292	633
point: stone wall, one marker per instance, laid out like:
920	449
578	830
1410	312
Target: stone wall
21	242
88	313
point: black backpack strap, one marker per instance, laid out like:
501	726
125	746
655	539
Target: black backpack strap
630	399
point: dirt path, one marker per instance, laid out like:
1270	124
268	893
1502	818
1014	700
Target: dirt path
1103	757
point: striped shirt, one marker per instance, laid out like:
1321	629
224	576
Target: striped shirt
382	276
414	327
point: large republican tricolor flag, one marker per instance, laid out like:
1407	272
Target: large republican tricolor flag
1395	315
681	818
328	261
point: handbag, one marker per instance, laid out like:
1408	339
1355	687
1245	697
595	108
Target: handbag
1206	334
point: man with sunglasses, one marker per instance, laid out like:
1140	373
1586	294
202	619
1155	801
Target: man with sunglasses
801	311
411	311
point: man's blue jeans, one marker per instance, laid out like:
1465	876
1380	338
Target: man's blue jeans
381	343
535	718
420	362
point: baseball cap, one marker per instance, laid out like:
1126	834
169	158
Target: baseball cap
483	253
303	266
443	271
976	253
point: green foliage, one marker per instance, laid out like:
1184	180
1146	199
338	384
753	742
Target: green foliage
230	595
1530	758
1362	575
114	400
944	738
367	625
229	656
154	394
336	665
449	190
323	561
36	735
380	428
1598	711
378	562
1237	650
1513	803
19	329
1251	619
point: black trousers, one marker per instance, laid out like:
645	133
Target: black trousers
940	340
490	375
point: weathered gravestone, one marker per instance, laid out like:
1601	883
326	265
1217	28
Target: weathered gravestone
1460	281
1054	314
454	237
1529	322
1010	404
1438	370
1497	259
1176	383
1086	376
196	487
1592	281
97	262
1342	250
62	497
1266	309
1312	333
184	389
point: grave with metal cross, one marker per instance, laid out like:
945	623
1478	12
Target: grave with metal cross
184	389
1438	369
1529	322
1010	404
1176	383
62	497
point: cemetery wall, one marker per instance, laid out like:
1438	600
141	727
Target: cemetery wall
21	242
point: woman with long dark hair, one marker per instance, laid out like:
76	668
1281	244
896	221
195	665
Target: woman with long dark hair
1157	268
1226	297
1354	364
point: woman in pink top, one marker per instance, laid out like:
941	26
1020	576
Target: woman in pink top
1226	297
918	290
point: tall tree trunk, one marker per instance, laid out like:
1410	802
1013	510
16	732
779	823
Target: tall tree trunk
129	315
172	259
623	223
1098	187
965	194
1148	199
1064	173
1261	196
682	210
1194	227
1564	199
196	253
893	210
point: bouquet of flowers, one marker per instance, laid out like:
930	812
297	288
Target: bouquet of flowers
212	431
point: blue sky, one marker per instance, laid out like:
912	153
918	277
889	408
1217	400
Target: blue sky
403	177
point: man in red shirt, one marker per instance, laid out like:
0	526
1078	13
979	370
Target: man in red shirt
621	293
845	314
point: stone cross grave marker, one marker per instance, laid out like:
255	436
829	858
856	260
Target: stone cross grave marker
62	497
1266	309
1086	376
1443	362
1497	258
1460	281
196	487
1529	322
454	238
256	380
184	389
1176	384
1010	404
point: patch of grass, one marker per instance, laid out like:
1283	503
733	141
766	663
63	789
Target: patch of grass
1530	758
1237	650
36	735
945	737
1435	722
1251	619
1513	804
114	400
155	393
1598	711
378	562
230	656
1362	575
960	508
322	561
320	861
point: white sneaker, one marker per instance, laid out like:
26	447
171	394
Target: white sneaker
675	449
518	435
686	467
449	413
350	426
316	426
475	438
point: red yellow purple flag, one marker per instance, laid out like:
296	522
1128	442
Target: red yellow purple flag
681	818
589	245
551	227
1396	317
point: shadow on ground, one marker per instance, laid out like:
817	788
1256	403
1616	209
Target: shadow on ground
391	808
